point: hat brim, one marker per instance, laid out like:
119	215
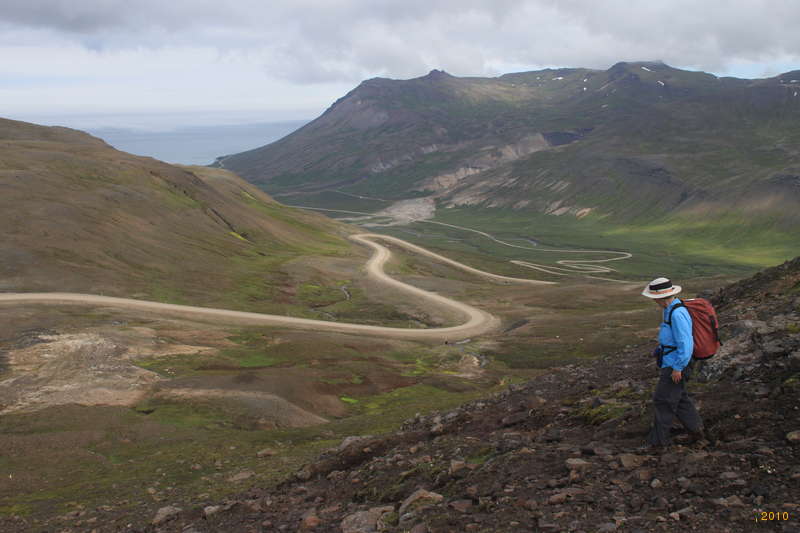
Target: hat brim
656	296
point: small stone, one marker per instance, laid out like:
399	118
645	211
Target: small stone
335	508
304	474
534	402
656	484
675	516
608	526
630	461
621	385
266	452
165	514
575	463
456	465
336	475
310	522
697	457
254	505
734	501
353	439
557	498
462	506
624	486
730	501
420	498
728	475
241	476
644	474
793	437
211	510
364	521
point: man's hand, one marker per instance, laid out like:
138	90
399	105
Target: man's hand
676	376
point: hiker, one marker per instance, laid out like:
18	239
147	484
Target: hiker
673	358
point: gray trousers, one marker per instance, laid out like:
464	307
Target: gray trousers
670	400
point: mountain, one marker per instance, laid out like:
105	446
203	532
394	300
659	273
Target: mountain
640	144
562	451
80	216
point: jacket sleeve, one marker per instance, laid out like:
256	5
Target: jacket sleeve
682	333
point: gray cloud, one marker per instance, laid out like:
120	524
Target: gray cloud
313	41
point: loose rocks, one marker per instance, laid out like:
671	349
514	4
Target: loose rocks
165	514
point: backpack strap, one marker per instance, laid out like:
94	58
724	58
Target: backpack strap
672	309
666	349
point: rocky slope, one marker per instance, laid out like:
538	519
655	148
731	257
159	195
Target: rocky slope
561	453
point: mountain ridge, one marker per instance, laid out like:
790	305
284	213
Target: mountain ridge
641	146
391	108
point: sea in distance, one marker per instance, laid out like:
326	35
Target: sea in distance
182	138
195	145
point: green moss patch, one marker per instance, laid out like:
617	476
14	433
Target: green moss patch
602	413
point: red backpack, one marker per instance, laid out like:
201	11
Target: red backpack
705	328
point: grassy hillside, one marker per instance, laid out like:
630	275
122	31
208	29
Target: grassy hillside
80	216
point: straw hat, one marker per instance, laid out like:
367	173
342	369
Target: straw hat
661	288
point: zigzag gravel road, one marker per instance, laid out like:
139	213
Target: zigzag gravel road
477	321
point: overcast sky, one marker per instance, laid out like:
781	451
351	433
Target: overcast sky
280	59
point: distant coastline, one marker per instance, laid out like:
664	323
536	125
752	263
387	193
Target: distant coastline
195	145
181	137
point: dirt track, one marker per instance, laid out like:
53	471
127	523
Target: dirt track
477	321
584	267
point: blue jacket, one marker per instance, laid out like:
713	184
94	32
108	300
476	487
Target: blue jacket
679	334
